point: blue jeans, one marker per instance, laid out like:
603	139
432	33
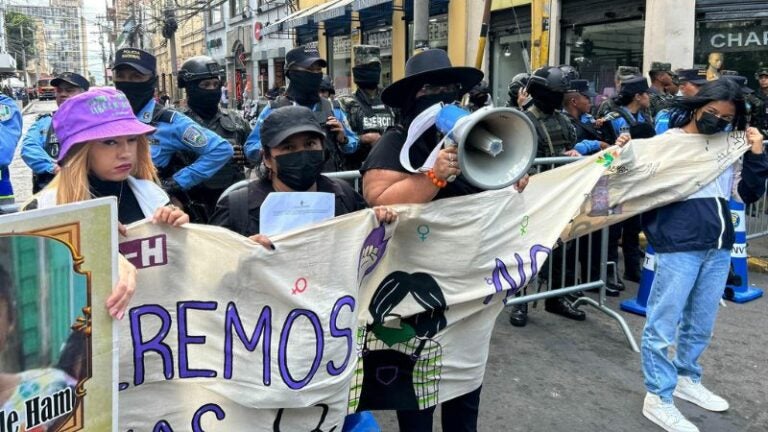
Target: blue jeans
682	305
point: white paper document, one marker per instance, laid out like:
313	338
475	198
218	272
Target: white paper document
285	211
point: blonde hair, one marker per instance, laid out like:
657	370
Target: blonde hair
71	182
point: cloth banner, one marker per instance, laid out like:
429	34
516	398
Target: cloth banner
348	315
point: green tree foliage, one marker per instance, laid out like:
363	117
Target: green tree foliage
16	24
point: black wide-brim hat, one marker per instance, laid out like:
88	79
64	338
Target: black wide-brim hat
429	67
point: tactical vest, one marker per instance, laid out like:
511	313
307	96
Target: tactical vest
333	159
366	117
555	131
226	125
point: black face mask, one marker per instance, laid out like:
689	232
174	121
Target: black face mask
304	87
203	101
138	93
367	77
421	103
299	170
710	124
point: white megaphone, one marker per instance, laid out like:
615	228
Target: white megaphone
496	146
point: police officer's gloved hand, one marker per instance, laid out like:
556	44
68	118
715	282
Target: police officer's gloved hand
170	186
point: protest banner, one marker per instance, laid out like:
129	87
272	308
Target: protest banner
57	361
348	315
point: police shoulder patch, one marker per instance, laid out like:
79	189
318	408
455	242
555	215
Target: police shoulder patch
194	137
5	112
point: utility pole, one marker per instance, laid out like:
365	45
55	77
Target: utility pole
23	57
420	25
169	32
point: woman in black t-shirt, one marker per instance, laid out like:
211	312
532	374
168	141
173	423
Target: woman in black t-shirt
430	79
292	158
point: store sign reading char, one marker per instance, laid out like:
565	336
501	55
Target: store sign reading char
734	39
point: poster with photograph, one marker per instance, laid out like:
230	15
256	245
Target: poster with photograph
57	361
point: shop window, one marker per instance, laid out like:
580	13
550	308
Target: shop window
340	64
509	57
739	46
597	50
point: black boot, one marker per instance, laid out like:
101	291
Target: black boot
563	307
518	316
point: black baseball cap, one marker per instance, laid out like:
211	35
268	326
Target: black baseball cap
693	76
303	56
581	86
286	121
71	78
138	59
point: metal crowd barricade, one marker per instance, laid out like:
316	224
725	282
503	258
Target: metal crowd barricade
757	217
578	281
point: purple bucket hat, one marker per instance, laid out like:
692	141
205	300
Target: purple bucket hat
99	113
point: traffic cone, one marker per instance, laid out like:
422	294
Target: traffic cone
638	304
737	287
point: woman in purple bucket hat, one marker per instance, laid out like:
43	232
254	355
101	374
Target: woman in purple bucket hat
104	151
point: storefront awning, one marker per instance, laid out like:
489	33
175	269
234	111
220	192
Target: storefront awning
365	4
277	25
303	17
339	9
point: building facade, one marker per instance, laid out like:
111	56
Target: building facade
64	35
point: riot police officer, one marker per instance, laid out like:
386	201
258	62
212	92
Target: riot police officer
518	97
556	135
367	114
40	147
10	132
201	77
761	120
135	75
304	68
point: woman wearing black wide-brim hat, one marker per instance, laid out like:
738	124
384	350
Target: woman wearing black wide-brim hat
429	79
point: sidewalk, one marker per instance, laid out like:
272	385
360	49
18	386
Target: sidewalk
559	375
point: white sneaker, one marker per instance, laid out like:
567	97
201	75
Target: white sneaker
698	394
666	415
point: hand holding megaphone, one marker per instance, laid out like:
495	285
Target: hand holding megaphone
447	163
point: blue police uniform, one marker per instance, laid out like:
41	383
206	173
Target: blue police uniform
587	146
33	146
10	132
253	143
182	134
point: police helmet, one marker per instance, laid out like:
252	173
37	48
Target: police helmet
518	81
570	72
199	68
549	78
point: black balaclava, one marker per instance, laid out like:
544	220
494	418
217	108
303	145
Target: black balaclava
367	76
547	100
421	103
204	102
304	87
138	93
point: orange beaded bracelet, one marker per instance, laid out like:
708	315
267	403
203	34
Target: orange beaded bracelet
435	180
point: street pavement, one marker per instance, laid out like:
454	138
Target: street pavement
560	375
21	175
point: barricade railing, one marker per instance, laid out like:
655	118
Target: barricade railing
757	216
571	266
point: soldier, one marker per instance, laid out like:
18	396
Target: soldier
479	96
690	81
304	69
661	78
40	147
367	114
135	74
10	132
201	76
